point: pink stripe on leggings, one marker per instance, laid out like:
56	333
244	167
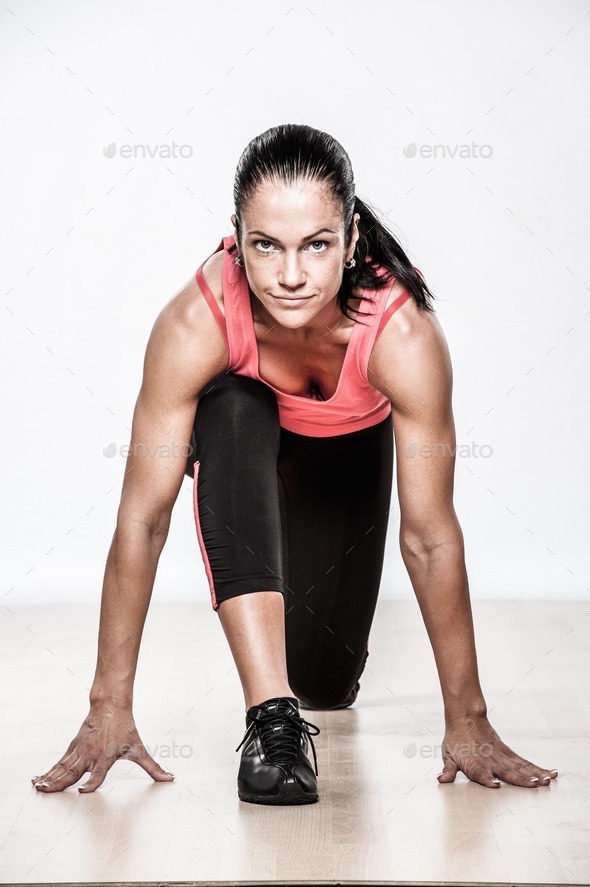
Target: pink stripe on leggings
205	557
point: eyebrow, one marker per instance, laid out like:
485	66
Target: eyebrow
309	237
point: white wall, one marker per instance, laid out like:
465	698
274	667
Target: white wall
95	245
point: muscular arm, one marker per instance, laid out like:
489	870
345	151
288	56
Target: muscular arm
185	349
410	364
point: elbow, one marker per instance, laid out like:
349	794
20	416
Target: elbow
153	527
434	543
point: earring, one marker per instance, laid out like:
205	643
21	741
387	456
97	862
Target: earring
238	261
351	264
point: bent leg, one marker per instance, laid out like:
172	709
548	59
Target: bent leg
235	493
235	498
334	495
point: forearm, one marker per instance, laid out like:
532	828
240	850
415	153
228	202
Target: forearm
127	588
439	579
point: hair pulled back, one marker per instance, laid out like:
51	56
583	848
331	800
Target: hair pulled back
291	152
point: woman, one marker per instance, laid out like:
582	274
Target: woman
306	342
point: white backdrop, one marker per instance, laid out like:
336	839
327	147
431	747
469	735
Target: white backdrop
97	235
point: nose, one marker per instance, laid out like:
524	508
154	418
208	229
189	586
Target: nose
291	275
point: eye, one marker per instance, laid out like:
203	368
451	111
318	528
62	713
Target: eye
256	242
323	242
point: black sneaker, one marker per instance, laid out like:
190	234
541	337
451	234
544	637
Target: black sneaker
274	767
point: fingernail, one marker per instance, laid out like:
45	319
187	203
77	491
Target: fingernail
44	784
533	779
554	771
496	782
168	773
440	774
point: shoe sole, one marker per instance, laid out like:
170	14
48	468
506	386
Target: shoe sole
281	798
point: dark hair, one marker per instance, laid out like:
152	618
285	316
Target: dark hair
294	151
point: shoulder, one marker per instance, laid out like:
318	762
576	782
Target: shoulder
189	306
212	270
410	357
186	337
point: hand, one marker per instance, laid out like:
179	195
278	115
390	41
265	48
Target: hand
472	745
107	734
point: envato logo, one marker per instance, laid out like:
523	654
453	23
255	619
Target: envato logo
474	749
164	751
465	451
165	451
164	152
471	151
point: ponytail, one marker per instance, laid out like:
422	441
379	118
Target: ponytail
377	248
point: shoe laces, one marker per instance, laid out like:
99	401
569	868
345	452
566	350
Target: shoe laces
280	731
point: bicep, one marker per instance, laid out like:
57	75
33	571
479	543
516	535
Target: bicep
185	349
412	366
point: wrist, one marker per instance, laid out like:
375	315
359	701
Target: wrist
468	711
469	704
115	696
112	685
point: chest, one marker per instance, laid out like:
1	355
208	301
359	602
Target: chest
312	369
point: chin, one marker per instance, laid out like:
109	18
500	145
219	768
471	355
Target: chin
294	319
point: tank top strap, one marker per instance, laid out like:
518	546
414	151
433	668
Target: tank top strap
397	303
238	312
391	309
209	297
229	243
375	324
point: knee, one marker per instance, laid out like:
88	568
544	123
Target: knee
323	698
238	396
234	410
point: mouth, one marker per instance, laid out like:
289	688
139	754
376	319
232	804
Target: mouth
289	300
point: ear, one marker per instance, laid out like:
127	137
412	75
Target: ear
355	234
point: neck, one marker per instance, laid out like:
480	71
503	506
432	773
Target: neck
322	325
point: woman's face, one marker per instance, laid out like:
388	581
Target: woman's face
293	251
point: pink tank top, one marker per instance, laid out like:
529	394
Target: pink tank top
355	403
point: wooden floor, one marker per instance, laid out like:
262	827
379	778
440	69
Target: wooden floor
382	817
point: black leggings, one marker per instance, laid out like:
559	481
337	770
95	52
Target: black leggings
306	516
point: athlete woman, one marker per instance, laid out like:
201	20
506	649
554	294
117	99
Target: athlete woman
304	346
